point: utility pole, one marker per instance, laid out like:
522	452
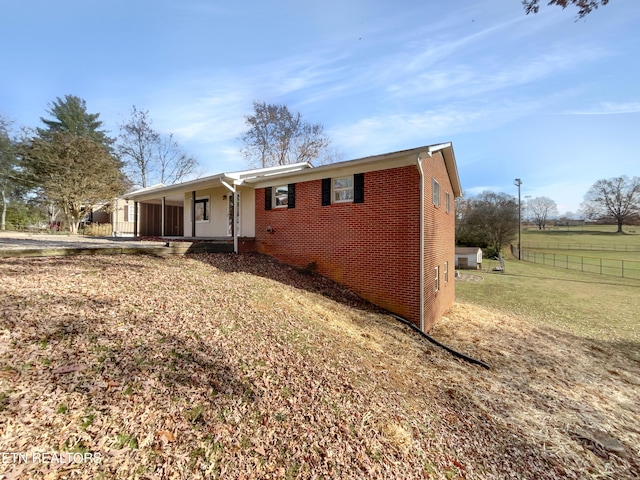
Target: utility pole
518	182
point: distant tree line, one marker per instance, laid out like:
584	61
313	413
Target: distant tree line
490	220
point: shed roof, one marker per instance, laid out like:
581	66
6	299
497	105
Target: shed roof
467	250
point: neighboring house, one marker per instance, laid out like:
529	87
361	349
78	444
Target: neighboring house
383	226
468	257
97	213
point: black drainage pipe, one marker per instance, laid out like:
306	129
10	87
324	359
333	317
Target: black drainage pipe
453	352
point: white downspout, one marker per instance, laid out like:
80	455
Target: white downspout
236	223
421	243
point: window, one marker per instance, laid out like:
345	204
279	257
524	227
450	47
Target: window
202	209
280	196
447	201
446	272
437	280
435	191
342	189
129	212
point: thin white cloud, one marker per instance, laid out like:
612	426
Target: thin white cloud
608	108
385	132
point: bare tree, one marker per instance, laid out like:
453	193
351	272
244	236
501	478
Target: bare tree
542	209
150	157
173	165
277	136
585	7
487	220
616	199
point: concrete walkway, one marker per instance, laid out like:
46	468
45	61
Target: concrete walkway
19	244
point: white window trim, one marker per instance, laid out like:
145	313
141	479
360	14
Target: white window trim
446	272
130	216
333	190
208	204
274	204
435	192
447	198
437	279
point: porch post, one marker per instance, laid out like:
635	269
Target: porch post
162	228
193	214
236	226
135	219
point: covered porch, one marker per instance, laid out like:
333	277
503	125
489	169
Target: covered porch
218	208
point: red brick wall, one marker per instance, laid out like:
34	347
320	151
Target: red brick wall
439	230
372	247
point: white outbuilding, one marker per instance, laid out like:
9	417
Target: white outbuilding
468	258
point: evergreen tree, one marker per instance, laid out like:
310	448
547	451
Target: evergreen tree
70	115
69	164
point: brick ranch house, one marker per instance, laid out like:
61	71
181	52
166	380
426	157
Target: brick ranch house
383	226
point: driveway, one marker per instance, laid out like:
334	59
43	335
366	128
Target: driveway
39	241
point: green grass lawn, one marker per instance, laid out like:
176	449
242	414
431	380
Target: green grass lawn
589	237
593	249
588	305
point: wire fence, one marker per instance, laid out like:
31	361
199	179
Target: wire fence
582	246
602	266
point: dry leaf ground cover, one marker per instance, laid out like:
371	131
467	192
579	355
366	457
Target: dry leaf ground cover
223	366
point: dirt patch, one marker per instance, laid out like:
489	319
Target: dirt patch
468	277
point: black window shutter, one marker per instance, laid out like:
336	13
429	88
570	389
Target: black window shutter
267	198
326	191
358	188
291	195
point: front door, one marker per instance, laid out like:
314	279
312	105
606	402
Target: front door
230	222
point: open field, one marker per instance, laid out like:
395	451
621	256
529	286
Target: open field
592	249
588	237
223	366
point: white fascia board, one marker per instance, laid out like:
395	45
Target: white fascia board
189	186
261	172
452	169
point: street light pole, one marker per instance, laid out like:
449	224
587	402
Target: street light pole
518	182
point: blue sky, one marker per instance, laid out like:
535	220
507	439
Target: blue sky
546	98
